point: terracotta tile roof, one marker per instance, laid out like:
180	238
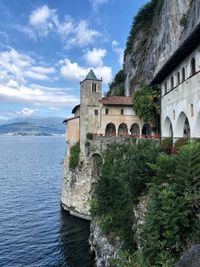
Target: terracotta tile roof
117	101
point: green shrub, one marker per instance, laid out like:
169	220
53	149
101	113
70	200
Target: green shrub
124	177
89	136
74	156
183	20
166	145
179	143
171	222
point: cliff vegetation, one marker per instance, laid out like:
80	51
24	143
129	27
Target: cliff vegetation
170	185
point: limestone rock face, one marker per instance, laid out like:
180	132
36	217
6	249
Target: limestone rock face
167	34
76	189
101	246
191	258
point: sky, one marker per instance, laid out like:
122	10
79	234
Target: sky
47	47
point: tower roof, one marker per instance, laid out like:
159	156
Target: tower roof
91	76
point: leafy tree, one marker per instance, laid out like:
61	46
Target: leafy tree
172	219
146	103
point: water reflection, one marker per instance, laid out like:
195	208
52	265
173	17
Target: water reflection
74	234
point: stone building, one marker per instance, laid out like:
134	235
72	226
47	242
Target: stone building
107	116
180	90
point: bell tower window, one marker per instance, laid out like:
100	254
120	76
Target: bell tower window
94	87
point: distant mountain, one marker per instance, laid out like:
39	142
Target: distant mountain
33	126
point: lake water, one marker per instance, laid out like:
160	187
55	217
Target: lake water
34	231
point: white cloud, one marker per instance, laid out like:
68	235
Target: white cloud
37	95
40	15
44	20
18	66
95	57
96	3
72	71
119	51
25	112
15	69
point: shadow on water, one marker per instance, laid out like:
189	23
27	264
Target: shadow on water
74	234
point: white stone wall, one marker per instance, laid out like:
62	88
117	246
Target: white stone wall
183	101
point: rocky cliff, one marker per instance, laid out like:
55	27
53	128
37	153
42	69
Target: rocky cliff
158	30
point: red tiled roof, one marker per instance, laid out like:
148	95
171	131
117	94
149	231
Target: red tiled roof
117	101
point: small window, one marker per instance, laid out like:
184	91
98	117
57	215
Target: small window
96	112
165	88
193	66
172	82
183	74
178	78
192	110
94	87
106	111
122	112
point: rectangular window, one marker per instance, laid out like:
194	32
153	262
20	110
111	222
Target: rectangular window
94	87
122	112
96	112
165	88
106	111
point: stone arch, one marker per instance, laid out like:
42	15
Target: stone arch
97	163
146	130
135	129
197	126
123	129
182	126
110	129
167	128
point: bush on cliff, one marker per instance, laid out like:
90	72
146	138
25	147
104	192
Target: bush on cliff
123	180
172	221
74	156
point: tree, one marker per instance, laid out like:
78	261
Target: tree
146	103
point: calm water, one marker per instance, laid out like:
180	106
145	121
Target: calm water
34	231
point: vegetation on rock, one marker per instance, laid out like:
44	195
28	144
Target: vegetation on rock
171	184
142	23
117	86
74	156
124	177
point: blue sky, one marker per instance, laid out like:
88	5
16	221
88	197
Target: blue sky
47	47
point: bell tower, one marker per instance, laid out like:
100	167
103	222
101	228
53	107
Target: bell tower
90	94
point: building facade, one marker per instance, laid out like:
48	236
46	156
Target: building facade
180	91
107	116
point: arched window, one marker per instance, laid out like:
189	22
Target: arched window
135	129
110	130
146	130
183	74
172	82
167	128
193	66
123	129
183	126
178	78
186	130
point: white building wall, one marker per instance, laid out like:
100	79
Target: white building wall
179	100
